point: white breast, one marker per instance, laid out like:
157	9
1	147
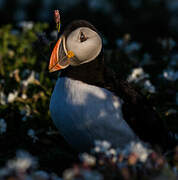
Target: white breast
84	113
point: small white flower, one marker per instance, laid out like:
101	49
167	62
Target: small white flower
26	111
111	152
26	25
68	174
170	75
12	96
97	149
24	96
22	162
88	159
32	134
3	126
101	146
3	98
106	144
137	75
149	87
138	148
31	79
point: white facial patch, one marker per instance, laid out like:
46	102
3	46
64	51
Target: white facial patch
85	51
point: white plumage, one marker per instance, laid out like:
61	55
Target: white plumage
87	50
84	113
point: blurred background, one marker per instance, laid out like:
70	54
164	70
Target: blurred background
144	20
140	42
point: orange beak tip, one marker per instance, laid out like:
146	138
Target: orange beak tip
53	64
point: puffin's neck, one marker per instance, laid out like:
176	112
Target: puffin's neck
90	73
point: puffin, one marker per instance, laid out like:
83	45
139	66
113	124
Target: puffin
90	102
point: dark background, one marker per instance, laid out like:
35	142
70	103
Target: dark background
144	20
153	28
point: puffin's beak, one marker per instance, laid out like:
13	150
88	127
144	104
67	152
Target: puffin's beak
57	63
54	59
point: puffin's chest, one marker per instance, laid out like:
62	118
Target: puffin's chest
81	99
84	113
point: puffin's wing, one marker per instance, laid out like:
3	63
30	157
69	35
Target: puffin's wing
137	111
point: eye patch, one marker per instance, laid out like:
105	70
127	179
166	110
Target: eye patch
82	37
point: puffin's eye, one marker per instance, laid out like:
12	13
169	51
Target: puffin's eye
82	37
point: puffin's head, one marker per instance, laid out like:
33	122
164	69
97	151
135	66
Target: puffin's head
80	43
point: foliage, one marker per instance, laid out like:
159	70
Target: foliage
25	88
